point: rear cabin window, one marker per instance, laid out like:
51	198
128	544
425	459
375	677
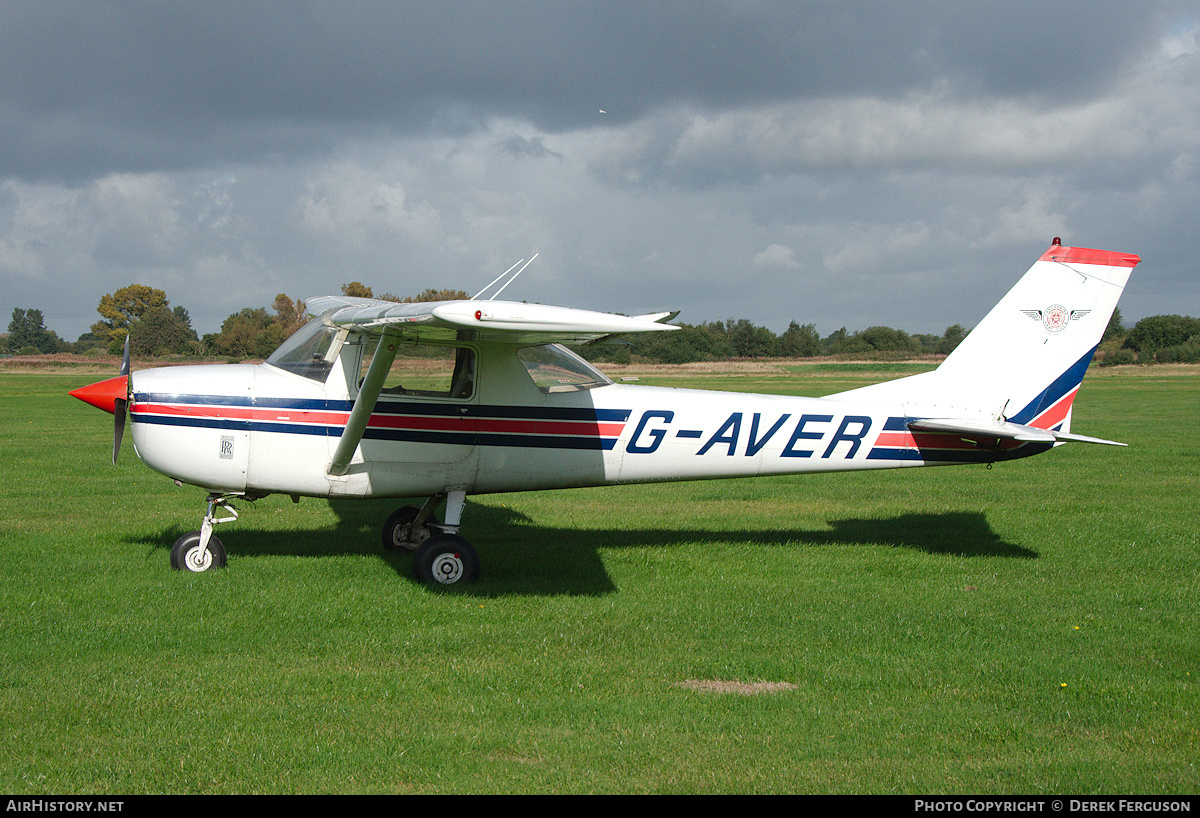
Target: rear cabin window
554	368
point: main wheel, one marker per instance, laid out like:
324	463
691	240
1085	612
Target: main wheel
186	554
399	534
446	559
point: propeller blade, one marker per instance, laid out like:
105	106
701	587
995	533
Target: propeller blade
120	404
118	425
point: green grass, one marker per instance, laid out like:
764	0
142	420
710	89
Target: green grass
1030	628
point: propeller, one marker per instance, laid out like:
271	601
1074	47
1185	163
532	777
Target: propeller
112	396
120	404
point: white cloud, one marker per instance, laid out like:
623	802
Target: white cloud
876	247
777	256
349	202
926	130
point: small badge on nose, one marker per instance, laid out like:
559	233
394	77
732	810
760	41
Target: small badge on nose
226	447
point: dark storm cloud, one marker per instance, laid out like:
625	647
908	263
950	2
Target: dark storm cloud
778	161
141	86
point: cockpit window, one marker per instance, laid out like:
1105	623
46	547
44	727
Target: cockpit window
306	352
554	368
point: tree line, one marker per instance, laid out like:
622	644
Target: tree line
156	329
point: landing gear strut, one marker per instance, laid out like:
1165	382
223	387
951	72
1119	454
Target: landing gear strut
198	551
441	557
408	527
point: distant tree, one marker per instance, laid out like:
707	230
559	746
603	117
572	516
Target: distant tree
841	342
1158	331
27	330
431	294
751	341
121	308
359	290
1185	353
89	341
1115	328
951	338
800	341
161	330
704	342
289	313
251	333
886	339
834	340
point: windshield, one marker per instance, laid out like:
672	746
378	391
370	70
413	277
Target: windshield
305	353
554	368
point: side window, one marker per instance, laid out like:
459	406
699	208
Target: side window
554	368
429	371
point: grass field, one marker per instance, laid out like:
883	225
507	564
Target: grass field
1030	628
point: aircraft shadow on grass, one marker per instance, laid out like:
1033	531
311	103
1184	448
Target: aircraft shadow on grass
520	556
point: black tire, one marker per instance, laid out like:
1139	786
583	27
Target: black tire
446	560
186	556
399	534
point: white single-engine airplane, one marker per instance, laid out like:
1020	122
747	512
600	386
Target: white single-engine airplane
501	405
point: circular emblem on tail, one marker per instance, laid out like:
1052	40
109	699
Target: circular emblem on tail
1055	318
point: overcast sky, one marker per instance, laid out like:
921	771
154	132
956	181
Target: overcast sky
840	163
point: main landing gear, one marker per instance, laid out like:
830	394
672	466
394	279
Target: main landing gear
441	557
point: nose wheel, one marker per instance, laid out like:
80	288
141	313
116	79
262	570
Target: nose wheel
198	551
188	555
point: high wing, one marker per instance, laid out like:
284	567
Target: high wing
509	321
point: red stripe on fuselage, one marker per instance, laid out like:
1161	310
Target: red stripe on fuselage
500	425
388	421
244	413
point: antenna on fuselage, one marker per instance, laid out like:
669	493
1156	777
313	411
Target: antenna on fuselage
502	275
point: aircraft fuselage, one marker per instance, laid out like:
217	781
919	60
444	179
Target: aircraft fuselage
259	430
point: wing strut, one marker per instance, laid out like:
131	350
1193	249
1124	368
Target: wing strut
364	404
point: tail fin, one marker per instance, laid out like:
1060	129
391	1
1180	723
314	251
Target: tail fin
1024	362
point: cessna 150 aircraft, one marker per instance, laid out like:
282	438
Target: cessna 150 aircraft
515	410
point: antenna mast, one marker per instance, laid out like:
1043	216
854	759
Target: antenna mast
502	275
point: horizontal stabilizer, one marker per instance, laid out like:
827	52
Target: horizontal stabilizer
974	428
1072	438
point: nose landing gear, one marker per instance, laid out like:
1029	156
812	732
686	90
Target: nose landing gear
197	551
